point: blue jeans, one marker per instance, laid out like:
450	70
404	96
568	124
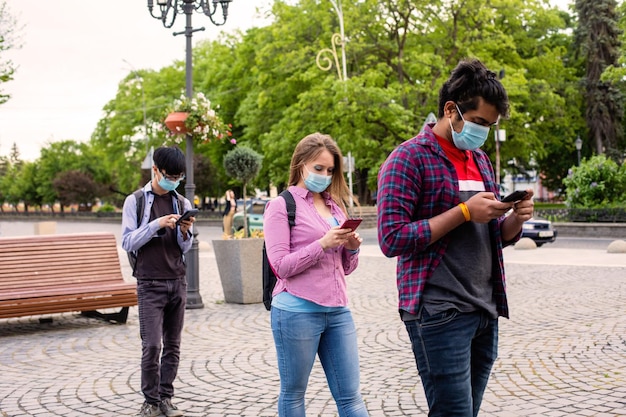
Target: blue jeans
332	336
161	306
454	353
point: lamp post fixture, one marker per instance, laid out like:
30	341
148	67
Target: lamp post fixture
325	64
579	145
336	39
167	12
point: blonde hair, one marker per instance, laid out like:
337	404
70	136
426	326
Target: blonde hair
309	148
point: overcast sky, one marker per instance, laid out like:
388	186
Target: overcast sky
75	53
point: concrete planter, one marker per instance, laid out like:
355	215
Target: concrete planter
240	266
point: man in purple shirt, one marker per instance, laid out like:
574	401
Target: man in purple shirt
439	213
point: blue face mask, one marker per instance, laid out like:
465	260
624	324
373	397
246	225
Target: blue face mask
472	136
317	183
168	185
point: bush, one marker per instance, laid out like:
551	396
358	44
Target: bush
106	208
597	183
244	164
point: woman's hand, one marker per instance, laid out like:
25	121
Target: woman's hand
354	241
336	237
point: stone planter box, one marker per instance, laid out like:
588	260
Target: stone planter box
240	265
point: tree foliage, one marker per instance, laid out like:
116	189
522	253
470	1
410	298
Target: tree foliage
597	37
76	187
9	39
268	85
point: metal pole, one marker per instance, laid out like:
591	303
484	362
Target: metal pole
350	169
498	154
194	300
339	11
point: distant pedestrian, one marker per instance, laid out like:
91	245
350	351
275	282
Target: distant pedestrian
229	212
310	314
160	271
439	213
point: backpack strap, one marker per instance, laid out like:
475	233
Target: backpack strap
291	207
139	197
181	201
141	202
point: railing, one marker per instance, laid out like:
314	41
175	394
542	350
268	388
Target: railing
605	223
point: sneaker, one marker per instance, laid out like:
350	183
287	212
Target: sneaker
169	409
150	410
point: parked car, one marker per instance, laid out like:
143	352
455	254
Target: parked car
254	209
541	231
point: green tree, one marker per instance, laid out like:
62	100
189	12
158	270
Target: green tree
597	37
68	155
77	187
269	87
25	185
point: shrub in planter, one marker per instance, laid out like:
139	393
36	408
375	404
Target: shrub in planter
243	164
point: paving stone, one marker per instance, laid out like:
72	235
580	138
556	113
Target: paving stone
562	353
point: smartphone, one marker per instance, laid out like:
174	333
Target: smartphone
352	223
187	214
515	196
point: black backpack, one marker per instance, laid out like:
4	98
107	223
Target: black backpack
132	255
269	276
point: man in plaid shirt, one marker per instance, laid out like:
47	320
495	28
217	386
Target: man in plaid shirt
439	212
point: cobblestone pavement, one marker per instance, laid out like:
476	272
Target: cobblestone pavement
563	353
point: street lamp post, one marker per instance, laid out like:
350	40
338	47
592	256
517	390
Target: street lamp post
579	145
336	39
325	64
167	12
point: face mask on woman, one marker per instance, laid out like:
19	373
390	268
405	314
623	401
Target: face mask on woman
316	183
471	137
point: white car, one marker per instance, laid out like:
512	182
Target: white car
541	231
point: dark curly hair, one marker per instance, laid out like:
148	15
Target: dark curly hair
469	81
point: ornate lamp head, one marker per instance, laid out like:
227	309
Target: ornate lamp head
169	9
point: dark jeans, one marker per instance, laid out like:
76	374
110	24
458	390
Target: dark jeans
454	353
161	315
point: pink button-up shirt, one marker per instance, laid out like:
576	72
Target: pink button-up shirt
303	268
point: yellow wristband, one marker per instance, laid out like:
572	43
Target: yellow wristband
466	212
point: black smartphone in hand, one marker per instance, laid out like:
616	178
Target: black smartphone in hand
351	223
186	215
515	196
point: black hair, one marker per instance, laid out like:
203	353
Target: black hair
169	159
469	81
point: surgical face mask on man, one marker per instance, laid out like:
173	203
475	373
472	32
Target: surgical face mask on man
316	183
168	185
471	137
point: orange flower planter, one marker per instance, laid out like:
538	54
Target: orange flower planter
175	122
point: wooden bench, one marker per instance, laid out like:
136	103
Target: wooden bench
63	273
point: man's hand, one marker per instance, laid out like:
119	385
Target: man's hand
169	220
484	207
522	210
185	225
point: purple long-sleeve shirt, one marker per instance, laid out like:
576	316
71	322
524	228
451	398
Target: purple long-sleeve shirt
418	182
303	269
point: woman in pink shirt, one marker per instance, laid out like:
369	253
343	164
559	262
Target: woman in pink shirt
310	313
